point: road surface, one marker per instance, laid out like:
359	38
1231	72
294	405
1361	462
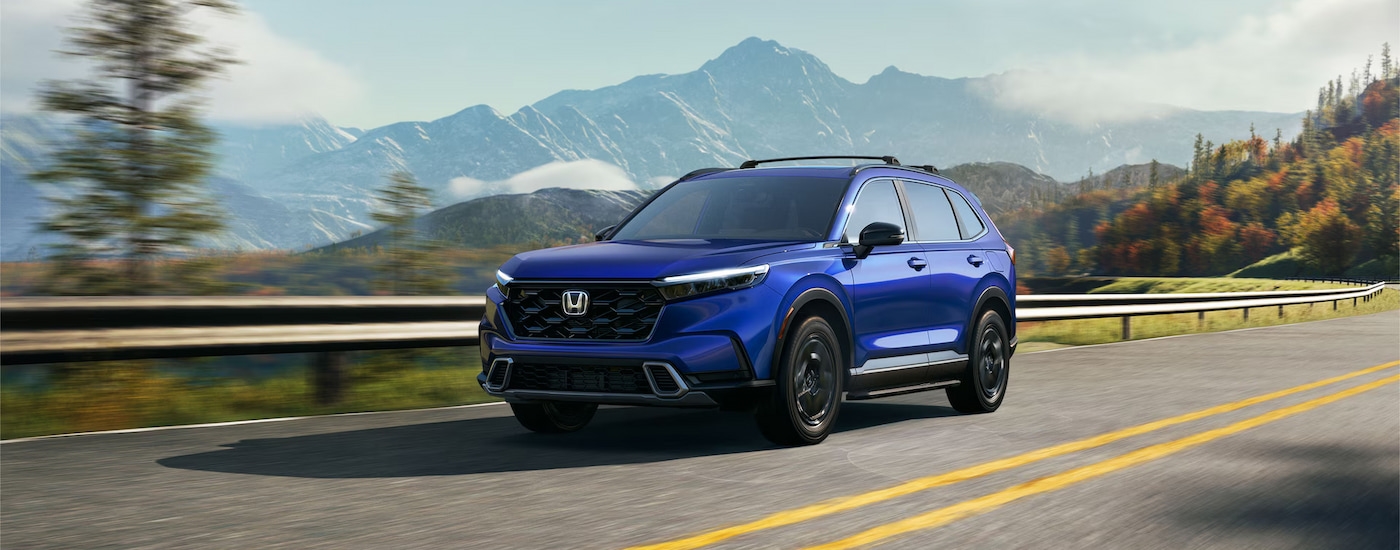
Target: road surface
1313	467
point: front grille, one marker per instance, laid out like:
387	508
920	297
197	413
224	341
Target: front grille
615	312
579	378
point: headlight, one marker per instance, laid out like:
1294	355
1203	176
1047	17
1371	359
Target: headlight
502	279
682	286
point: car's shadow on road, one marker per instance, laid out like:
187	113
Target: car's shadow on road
499	444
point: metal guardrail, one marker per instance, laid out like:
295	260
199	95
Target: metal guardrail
1127	306
49	330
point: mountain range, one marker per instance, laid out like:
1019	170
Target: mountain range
310	182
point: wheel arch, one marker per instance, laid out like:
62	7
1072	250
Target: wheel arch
994	298
816	300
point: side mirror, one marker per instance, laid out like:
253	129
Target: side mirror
602	234
878	234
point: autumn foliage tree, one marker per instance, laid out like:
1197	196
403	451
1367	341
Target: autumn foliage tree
1332	195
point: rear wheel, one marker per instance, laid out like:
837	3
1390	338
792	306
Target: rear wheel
554	416
803	405
983	384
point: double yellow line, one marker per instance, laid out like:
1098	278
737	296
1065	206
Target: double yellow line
946	515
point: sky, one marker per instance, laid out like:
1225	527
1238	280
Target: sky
367	63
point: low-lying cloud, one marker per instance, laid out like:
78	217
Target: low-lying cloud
579	174
1274	62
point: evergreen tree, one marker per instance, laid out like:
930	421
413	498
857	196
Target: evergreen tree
132	177
1152	175
1387	65
413	265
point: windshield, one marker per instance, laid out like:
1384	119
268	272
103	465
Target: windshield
760	207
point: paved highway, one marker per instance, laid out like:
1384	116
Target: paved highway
1281	437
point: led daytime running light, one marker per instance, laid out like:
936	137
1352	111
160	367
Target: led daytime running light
684	286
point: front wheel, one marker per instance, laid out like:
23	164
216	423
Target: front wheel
983	384
554	416
803	406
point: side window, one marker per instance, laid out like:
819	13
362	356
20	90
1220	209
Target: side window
877	202
967	218
933	216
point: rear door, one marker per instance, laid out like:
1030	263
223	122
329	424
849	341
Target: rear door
956	266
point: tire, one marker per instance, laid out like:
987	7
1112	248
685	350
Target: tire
552	417
807	397
984	382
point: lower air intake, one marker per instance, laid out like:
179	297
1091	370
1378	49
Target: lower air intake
663	380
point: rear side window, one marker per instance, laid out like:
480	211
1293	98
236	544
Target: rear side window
967	218
933	215
877	202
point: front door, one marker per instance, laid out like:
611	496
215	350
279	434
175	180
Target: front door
890	289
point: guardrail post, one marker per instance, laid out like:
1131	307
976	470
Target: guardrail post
1246	314
1353	302
1127	327
1200	319
329	376
1334	305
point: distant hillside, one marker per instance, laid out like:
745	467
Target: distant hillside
1130	176
545	217
558	215
1005	186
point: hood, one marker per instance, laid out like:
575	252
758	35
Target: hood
640	259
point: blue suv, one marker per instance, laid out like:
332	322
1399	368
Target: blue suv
778	290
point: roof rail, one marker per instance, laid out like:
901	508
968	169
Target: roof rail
701	172
754	163
921	168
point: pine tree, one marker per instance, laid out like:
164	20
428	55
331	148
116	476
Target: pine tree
132	177
1387	65
1152	175
412	265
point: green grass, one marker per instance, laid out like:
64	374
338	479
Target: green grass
1179	285
134	394
1049	334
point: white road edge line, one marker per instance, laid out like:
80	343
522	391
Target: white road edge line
242	422
450	407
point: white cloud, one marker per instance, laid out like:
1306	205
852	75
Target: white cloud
579	174
464	187
278	79
1275	62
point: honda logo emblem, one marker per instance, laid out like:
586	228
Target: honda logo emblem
575	303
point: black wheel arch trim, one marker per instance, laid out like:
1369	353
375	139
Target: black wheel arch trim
988	294
808	296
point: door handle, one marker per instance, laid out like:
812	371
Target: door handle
917	263
975	261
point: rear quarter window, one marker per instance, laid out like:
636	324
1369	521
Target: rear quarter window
968	221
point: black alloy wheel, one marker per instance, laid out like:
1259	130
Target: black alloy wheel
807	398
983	385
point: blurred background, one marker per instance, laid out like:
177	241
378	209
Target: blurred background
318	148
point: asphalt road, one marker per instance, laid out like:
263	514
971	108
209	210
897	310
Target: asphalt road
1328	476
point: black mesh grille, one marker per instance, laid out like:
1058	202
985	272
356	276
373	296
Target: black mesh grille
579	378
665	384
615	312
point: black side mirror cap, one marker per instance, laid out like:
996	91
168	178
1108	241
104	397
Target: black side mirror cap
602	234
878	234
